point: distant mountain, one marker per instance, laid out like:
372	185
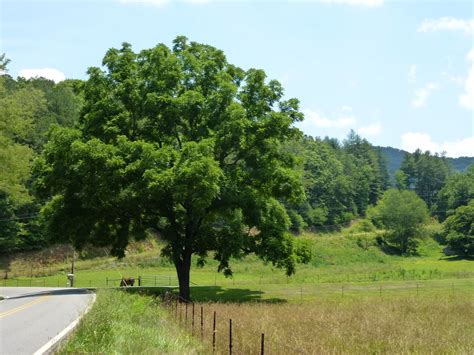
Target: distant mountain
395	157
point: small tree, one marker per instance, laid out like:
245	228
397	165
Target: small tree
459	230
402	213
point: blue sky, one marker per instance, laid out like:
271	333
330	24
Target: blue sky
401	73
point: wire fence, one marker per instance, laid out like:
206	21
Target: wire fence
166	280
219	332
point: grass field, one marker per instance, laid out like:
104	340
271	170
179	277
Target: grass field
338	258
368	325
351	298
121	322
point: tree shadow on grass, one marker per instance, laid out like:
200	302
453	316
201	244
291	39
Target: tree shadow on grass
458	258
211	294
231	295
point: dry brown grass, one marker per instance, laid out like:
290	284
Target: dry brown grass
372	325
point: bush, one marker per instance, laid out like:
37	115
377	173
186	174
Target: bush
459	230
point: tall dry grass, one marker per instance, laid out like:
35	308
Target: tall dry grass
357	326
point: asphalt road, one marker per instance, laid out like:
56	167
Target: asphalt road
31	316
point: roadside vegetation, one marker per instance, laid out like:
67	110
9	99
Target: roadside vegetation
122	323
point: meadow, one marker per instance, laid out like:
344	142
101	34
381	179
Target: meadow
351	298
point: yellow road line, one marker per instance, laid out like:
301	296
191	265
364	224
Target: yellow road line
24	306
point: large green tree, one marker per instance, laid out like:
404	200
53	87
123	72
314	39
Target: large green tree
403	214
180	141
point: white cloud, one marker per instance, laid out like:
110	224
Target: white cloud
412	74
467	98
412	141
369	3
373	129
422	94
447	24
313	118
48	73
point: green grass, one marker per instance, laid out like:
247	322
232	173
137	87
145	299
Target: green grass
350	259
123	323
351	293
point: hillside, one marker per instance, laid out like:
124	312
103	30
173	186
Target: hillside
395	157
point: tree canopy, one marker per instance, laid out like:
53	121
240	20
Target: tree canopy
179	141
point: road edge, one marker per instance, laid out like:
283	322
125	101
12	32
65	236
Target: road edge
54	342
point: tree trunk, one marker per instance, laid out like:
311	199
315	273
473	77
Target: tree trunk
183	266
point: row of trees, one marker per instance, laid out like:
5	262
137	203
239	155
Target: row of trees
340	180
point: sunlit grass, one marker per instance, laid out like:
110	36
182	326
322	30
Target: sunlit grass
122	323
407	324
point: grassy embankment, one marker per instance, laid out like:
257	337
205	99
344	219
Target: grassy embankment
124	323
346	263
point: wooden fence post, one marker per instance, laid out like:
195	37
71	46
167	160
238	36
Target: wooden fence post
193	321
262	344
202	323
214	333
230	336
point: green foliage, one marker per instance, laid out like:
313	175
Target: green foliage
180	141
3	63
459	230
395	158
403	213
27	109
339	182
424	173
458	191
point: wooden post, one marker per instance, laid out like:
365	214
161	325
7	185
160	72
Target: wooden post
202	323
139	280
262	344
230	336
214	333
107	281
73	257
193	321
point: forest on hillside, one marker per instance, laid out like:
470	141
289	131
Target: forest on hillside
328	182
